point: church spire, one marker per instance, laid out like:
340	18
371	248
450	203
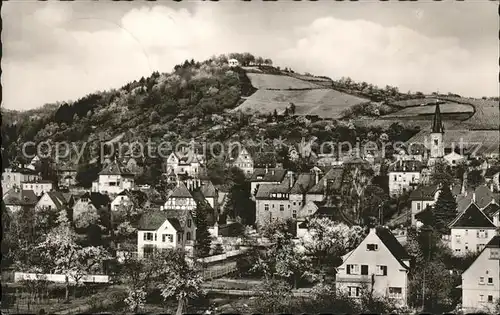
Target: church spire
437	125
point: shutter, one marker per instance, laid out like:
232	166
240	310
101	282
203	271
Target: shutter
348	269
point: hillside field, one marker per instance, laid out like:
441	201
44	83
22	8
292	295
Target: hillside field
279	82
325	103
414	102
487	114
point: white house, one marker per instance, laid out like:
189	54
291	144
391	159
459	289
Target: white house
471	230
233	63
127	197
54	200
113	179
404	176
187	163
453	158
90	201
243	160
380	263
15	199
266	175
39	187
165	229
481	281
13	177
421	198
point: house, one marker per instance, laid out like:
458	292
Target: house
481	281
180	199
471	230
55	200
481	196
165	229
241	158
315	209
15	198
210	193
403	176
493	212
113	179
298	192
127	198
13	177
266	175
272	201
233	63
327	185
453	159
39	187
421	198
34	163
380	263
90	201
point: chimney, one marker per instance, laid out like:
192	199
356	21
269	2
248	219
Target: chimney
267	169
199	183
492	187
316	178
290	175
474	197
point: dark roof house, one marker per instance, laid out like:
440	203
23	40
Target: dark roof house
472	217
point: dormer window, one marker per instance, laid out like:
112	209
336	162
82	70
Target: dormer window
371	247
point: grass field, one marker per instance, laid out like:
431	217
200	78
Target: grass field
408	123
325	103
279	82
308	78
414	102
486	140
446	108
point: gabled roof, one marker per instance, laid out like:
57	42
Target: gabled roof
394	246
494	242
175	223
136	195
491	210
20	198
424	193
304	182
265	190
472	217
181	191
272	175
332	177
58	199
152	220
208	189
114	168
483	197
437	123
333	213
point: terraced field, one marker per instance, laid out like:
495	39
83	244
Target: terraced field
447	108
487	114
325	103
279	82
415	102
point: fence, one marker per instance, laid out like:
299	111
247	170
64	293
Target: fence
213	273
20	276
222	256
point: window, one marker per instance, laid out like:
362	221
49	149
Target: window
266	207
457	250
282	207
354	291
189	222
381	270
479	247
179	237
188	236
436	142
371	247
148	236
490	280
167	237
466	232
294	203
481	280
418	206
481	298
294	214
490	298
352	269
364	269
395	292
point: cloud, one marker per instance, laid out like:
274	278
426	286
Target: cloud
395	55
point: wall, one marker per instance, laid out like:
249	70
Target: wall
19	276
462	237
418	206
274	211
38	188
400	181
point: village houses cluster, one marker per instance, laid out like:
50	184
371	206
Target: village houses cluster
282	194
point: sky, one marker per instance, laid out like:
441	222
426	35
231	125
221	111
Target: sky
61	51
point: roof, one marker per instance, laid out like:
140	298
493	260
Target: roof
437	123
41	181
406	166
494	242
394	246
175	223
491	209
483	197
137	195
97	199
24	171
114	168
472	217
424	193
58	199
332	177
152	220
333	213
268	175
20	198
181	191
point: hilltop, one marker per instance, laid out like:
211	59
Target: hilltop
212	101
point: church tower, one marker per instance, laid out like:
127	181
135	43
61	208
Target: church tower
437	145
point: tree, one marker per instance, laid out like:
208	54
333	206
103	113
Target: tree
292	108
203	237
372	203
179	278
69	258
475	178
444	209
441	174
138	275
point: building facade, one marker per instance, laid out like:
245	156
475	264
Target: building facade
404	176
39	187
